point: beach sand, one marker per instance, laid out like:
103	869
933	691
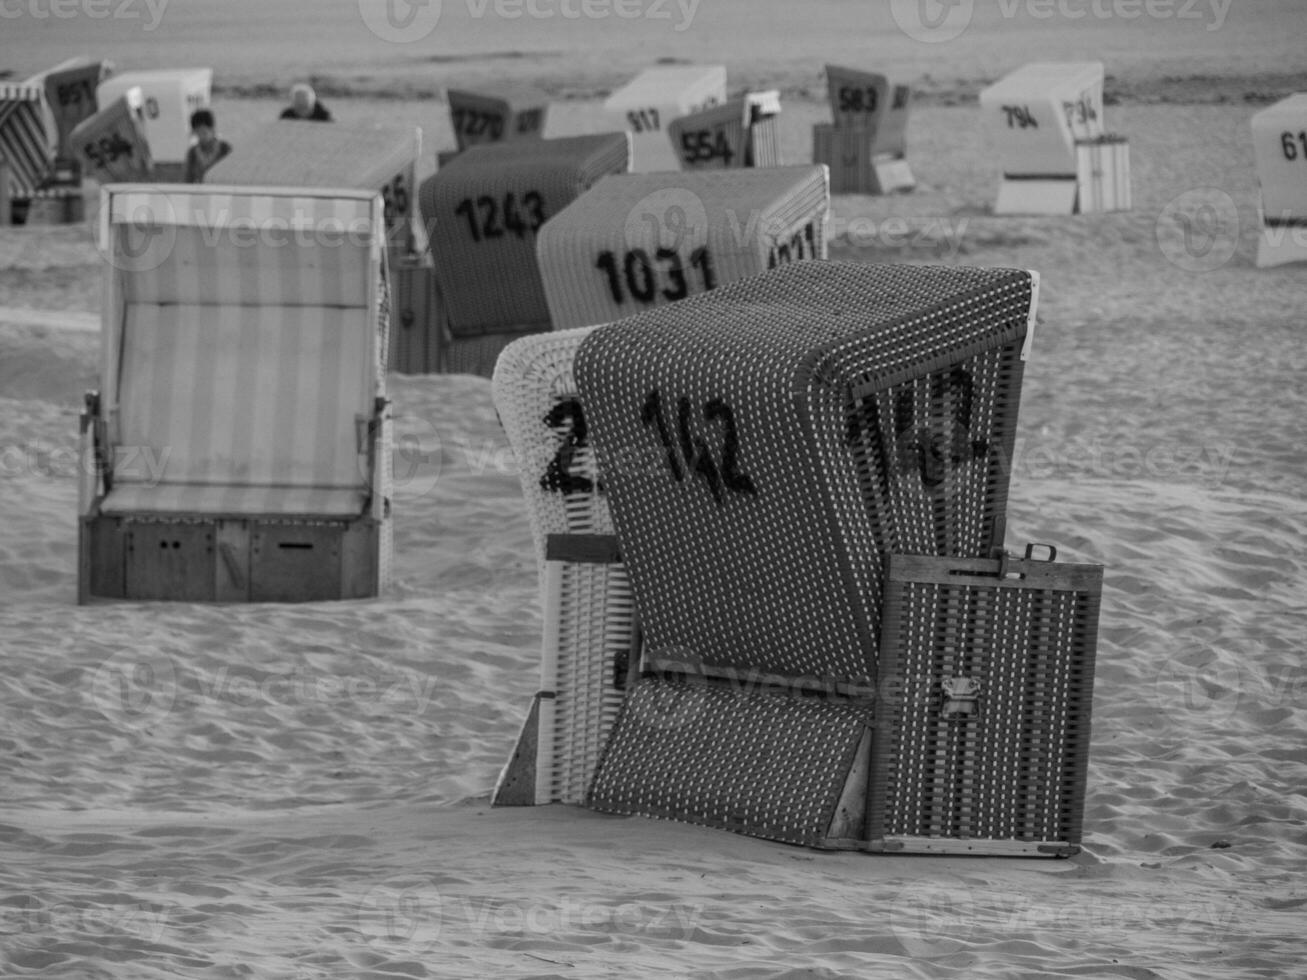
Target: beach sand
301	791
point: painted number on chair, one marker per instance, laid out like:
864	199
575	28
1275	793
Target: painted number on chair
858	98
108	149
1081	112
801	245
395	198
637	276
476	123
705	146
689	455
924	448
567	420
490	218
1294	148
1020	117
644	120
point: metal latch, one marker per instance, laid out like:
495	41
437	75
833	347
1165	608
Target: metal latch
960	695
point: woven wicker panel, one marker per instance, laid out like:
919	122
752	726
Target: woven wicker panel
767	765
1007	760
590	621
484	211
296	153
494	115
642	240
111	145
763	444
716	138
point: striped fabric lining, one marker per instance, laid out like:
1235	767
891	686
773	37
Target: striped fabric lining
245	396
237	501
24	143
247	212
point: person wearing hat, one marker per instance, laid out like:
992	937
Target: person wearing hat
304	104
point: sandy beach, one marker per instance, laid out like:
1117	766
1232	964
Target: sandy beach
302	791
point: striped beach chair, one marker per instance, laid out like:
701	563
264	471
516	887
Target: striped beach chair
24	142
588	651
238	446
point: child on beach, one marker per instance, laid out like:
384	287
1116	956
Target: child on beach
207	148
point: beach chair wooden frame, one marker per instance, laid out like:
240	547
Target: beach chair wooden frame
238	447
589	646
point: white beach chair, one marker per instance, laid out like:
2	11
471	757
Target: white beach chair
646	106
238	448
641	240
170	96
589	642
111	146
1280	152
1046	125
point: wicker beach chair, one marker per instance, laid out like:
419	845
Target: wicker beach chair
764	446
30	150
111	146
646	106
485	211
743	132
866	146
641	240
496	113
589	640
1046	125
238	448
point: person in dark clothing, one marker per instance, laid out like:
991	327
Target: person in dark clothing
304	104
207	148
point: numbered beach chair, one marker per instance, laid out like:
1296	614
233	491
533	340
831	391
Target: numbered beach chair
170	96
866	146
496	114
485	211
36	118
588	650
238	449
646	106
642	240
111	145
291	153
764	446
1046	125
743	132
1280	153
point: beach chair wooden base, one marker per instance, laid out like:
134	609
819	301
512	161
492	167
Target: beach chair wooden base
209	559
1040	195
1282	243
856	167
762	763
